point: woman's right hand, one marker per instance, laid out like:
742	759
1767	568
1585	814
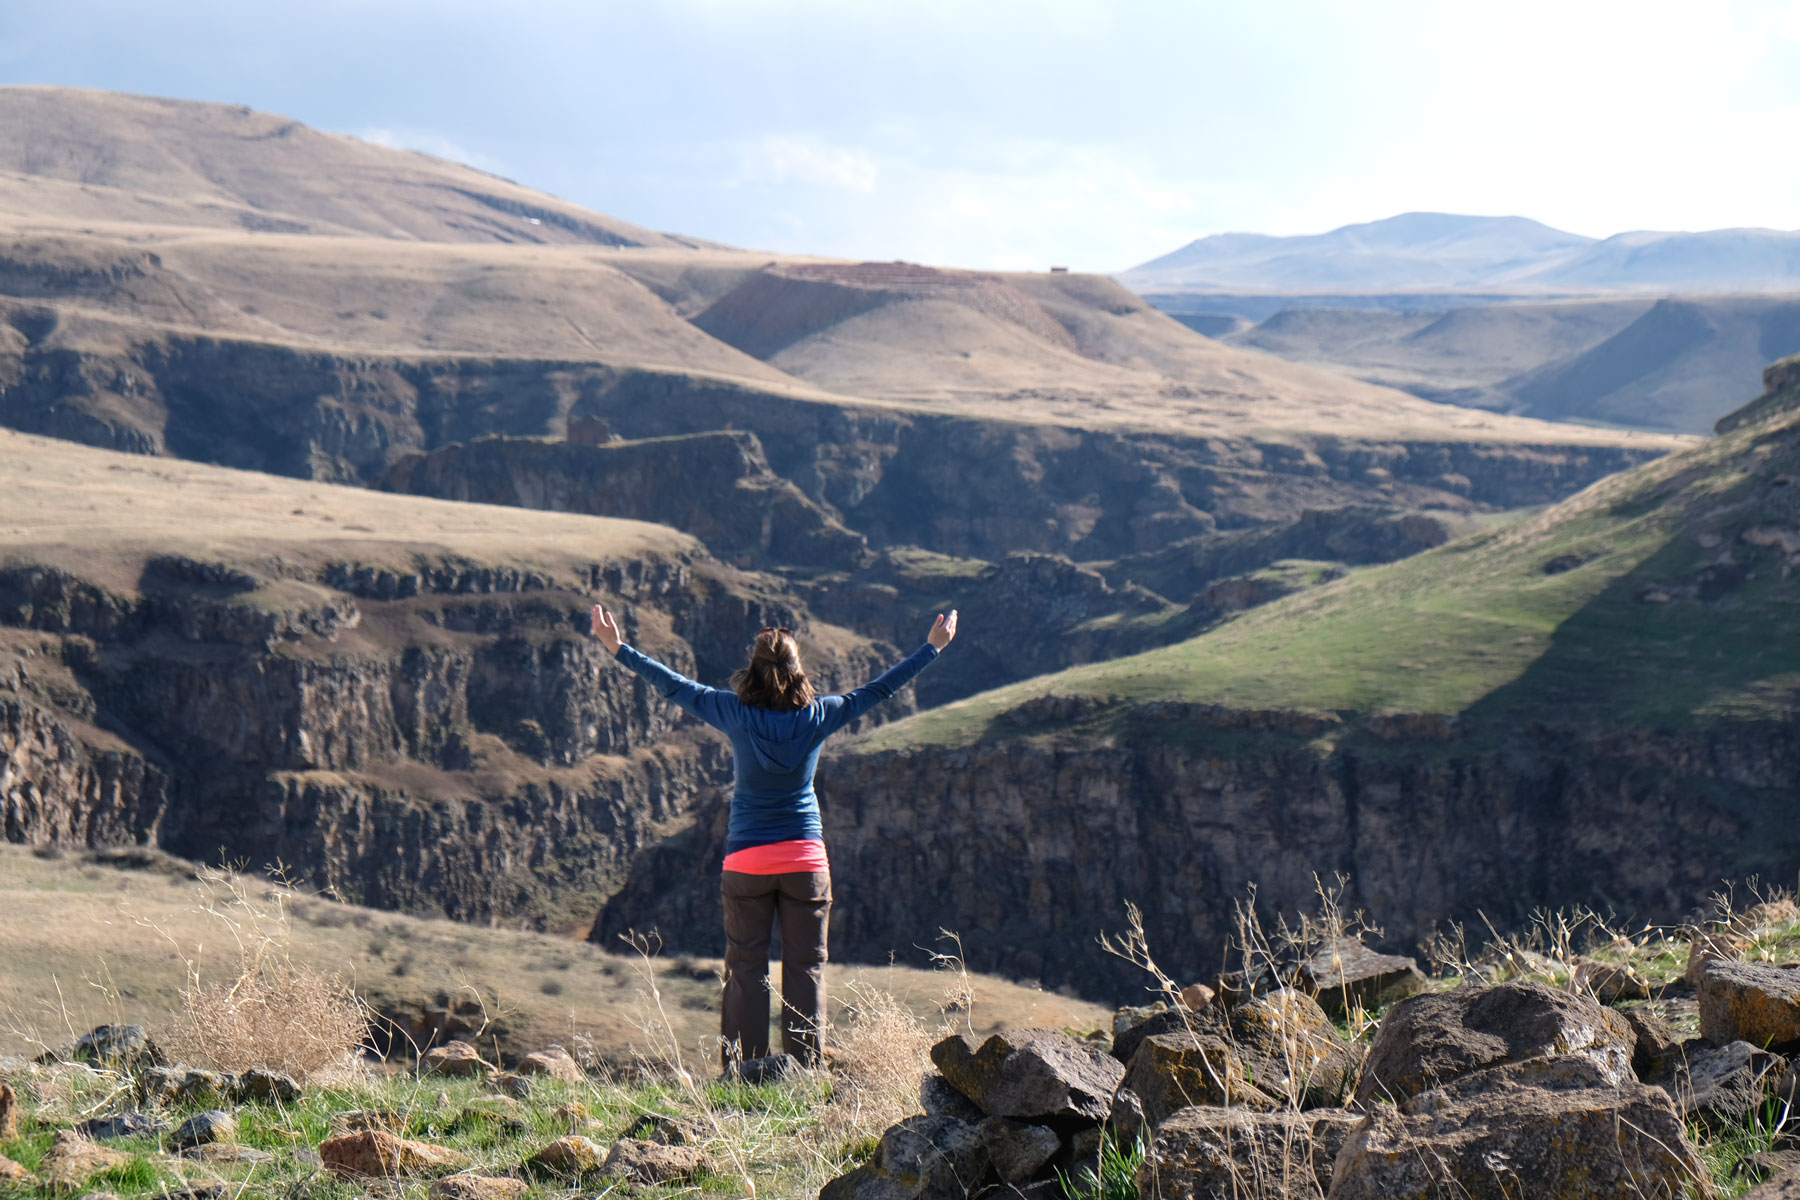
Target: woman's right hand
943	631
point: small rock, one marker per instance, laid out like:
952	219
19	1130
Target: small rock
1545	1126
257	1086
455	1059
1609	983
573	1114
72	1160
126	1047
1126	1120
1130	1017
377	1153
921	1158
1431	1039
1031	1074
1785	1186
12	1172
517	1086
567	1157
1718	1086
131	1124
227	1152
1233	1152
554	1062
1196	996
771	1068
1750	1002
649	1163
1707	946
667	1130
1017	1150
1292	1051
476	1187
1654	1039
939	1099
1168	1020
213	1125
1347	974
358	1120
9	1113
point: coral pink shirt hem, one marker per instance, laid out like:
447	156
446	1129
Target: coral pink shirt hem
779	858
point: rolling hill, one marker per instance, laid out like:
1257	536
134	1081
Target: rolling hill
1668	364
1447	252
71	157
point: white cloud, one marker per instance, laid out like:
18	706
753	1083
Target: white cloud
787	158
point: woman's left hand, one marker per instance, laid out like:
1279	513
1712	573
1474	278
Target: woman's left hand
606	628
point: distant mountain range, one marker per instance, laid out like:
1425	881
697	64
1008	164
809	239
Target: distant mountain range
1448	252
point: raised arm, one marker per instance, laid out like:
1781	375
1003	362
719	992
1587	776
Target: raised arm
719	708
856	703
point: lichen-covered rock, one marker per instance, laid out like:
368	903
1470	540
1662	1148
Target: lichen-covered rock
518	1087
455	1059
1163	1020
1018	1150
72	1160
649	1163
1552	1128
1610	983
375	1153
213	1125
1291	1050
1031	1074
568	1156
667	1130
1652	1039
939	1099
1346	974
476	1187
124	1125
1751	1002
1207	1152
1432	1039
1708	946
1172	1071
553	1062
921	1158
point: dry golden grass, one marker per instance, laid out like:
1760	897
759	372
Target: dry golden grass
83	944
102	514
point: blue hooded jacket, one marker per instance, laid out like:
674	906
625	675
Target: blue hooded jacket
775	753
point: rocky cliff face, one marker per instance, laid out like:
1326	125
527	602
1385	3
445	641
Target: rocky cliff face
979	488
1030	849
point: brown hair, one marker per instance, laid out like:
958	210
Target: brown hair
774	680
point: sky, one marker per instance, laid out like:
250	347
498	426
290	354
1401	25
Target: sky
1002	134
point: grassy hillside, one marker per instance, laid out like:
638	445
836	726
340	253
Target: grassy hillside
1661	595
70	156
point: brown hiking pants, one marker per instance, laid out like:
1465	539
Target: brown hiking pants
801	901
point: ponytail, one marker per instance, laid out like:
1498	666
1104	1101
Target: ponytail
774	680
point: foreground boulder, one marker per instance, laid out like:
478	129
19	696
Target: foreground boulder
1551	1127
567	1156
1205	1152
1432	1039
1719	1085
9	1113
125	1047
939	1099
1173	1071
12	1172
213	1125
1292	1051
922	1158
1346	974
257	1086
375	1153
177	1086
1031	1074
1750	1002
1785	1186
1018	1150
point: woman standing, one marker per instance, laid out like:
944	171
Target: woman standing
775	864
